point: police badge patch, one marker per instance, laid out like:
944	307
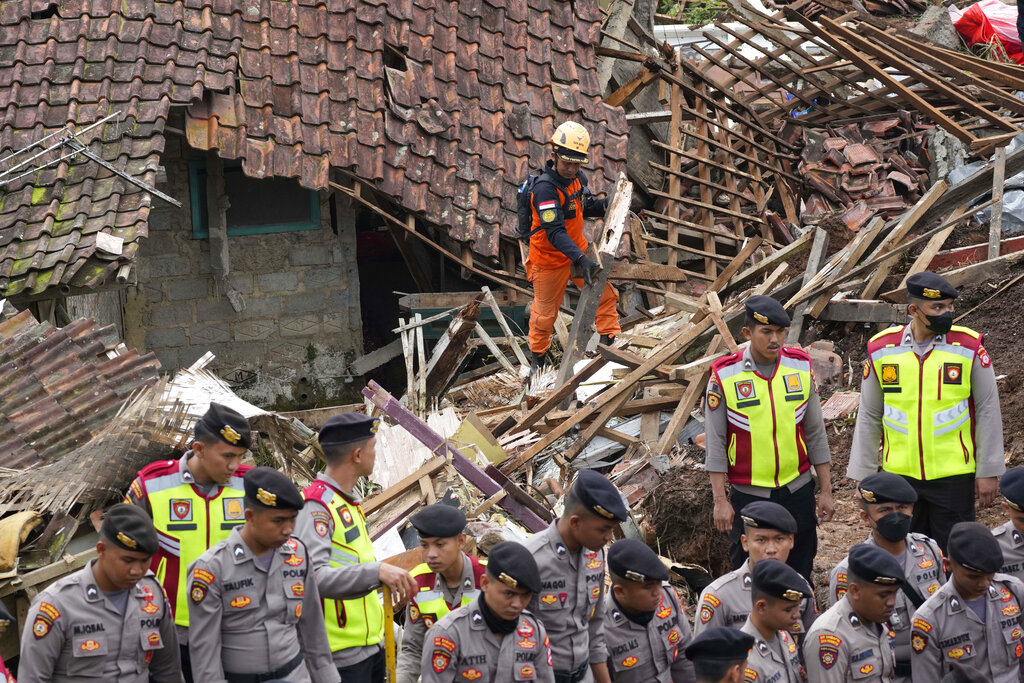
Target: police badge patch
828	649
918	642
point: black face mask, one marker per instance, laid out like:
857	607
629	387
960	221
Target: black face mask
638	618
495	623
940	324
894	526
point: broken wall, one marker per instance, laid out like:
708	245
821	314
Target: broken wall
301	325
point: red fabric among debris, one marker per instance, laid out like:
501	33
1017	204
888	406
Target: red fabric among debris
989	20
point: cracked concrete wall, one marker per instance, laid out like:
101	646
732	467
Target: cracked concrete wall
301	326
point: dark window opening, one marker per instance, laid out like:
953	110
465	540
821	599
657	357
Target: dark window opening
51	10
258	206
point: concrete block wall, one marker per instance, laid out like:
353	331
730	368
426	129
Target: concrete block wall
301	325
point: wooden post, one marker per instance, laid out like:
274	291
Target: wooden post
814	262
586	309
995	226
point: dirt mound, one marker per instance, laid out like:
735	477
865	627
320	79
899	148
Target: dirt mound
681	511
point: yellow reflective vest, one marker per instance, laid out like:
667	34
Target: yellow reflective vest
360	621
928	413
187	523
428	603
766	445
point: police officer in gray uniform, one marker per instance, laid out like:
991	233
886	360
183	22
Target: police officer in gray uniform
719	655
571	559
887	505
644	625
493	639
110	619
768	533
975	618
852	641
777	591
1011	534
254	610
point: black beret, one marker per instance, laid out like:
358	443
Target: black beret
439	521
600	495
870	563
886	487
930	286
720	643
129	527
766	311
972	545
345	428
514	565
227	424
779	580
764	514
1012	486
634	560
266	487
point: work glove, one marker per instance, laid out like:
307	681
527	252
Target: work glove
589	268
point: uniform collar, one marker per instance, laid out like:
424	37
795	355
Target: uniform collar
750	365
91	588
766	648
466	579
743	574
183	469
349	495
557	543
912	546
907	339
559	181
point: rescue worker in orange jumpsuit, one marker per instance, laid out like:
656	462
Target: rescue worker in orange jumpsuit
560	201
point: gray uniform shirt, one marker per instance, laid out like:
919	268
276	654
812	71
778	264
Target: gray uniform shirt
773	661
716	428
74	634
651	653
569	602
945	630
988	420
726	602
1011	542
416	627
335	583
924	574
840	647
249	620
462	648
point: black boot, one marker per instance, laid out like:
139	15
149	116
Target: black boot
607	339
537	361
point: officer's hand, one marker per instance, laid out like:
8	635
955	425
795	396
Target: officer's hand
723	515
826	506
400	582
985	489
590	270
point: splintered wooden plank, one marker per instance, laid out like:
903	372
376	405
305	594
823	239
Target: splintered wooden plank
552	400
814	263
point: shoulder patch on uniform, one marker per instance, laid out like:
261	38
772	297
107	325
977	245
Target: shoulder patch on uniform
707	607
918	642
867	369
983	357
200	574
41	626
440	661
414	612
136	489
921	625
198	591
49	610
441	641
828	649
749	675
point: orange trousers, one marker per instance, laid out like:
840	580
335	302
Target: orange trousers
548	290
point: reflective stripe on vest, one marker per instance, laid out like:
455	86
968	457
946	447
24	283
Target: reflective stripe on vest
431	602
187	525
360	621
759	405
927	416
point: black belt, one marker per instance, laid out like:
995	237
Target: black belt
574	676
280	672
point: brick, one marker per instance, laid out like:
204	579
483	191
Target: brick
214	310
210	334
304	303
195	288
154	293
173	266
254	330
300	326
243	282
262	307
168	359
171	314
310	256
287	281
340	298
336	323
318	278
171	337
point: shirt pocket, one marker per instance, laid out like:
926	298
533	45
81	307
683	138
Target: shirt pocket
86	654
524	671
240	604
869	667
547	602
294	593
152	641
1014	646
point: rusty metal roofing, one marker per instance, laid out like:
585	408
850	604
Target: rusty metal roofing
60	386
443	106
